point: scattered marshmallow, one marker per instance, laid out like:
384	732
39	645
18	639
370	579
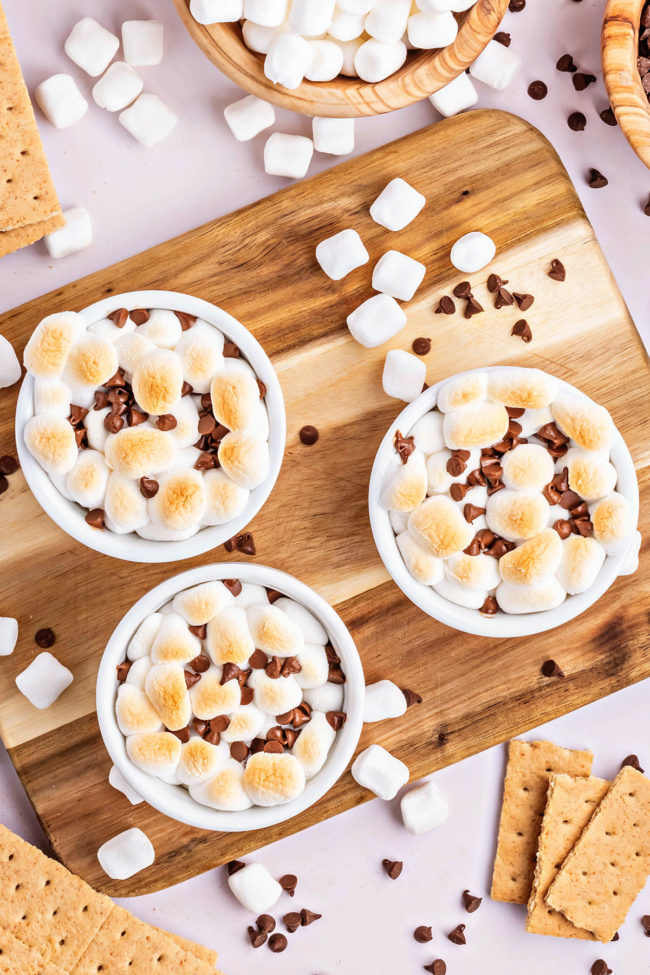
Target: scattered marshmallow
376	320
287	155
44	680
472	251
375	61
217	11
496	66
117	780
380	772
397	275
403	376
459	95
255	888
60	100
342	253
142	42
383	700
248	117
334	136
76	234
149	120
126	854
397	205
91	46
8	635
118	87
10	371
423	808
288	59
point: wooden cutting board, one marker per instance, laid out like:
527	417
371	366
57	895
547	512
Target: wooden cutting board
484	170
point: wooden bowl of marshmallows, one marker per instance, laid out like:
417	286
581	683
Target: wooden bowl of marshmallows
627	96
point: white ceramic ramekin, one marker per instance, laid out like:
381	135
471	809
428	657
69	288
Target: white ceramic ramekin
471	620
71	517
175	801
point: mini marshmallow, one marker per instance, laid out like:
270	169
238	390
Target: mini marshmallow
51	440
376	320
423	808
246	723
585	422
107	329
380	772
427	433
186	431
126	854
387	20
270	779
328	697
157	753
582	560
346	26
267	13
475	425
313	745
311	17
200	760
399	520
44	680
326	64
423	566
8	635
591	475
172	641
224	500
157	382
457	96
167	691
613	522
91	46
454	592
60	100
398	275
342	253
315	667
432	30
142	42
530	599
163	328
312	629
519	387
533	420
349	50
334	136
210	697
91	362
383	700
201	603
407	487
439	527
528	467
86	482
10	371
397	205
259	38
47	350
275	696
248	117
439	480
375	61
244	457
228	638
496	66
225	790
124	506
118	87
131	348
517	515
235	396
141	642
288	59
403	376
461	391
287	155
274	632
217	11
76	234
117	780
472	251
358	7
51	396
255	888
149	120
251	594
135	712
473	571
158	533
534	560
139	451
138	672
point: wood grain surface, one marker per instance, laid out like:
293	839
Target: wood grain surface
620	50
484	170
423	72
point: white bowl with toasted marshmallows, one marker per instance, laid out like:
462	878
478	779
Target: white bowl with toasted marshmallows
504	502
231	697
150	426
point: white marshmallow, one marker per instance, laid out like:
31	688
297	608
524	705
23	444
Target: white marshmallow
383	700
399	520
186	431
433	30
312	629
229	639
287	155
60	100
149	120
118	87
117	780
376	320
107	329
349	50
423	808
138	672
427	433
48	440
266	13
472	251
173	642
328	697
126	854
225	500
10	371
202	603
423	566
613	522
248	117
86	482
375	61
141	642
346	26
313	745
311	17
342	253
275	696
387	20
131	348
407	485
334	136
51	396
582	560
435	6
142	42
255	888
461	595
124	505
44	680
529	467
91	46
259	38
225	790
246	723
250	595
217	11
326	62
76	233
516	599
210	697
244	458
397	205
378	770
457	96
8	635
398	275
275	632
358	7
403	376
315	667
496	66
288	59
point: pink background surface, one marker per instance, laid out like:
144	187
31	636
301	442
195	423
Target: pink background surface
138	198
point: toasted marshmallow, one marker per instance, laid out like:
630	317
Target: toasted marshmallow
186	431
166	689
452	590
533	560
158	754
439	480
427	433
407	486
135	712
225	790
315	668
533	420
581	561
399	521
473	571
312	630
274	632
86	482
270	779
518	387
462	390
328	697
138	671
244	458
517	515
173	642
591	475
612	521
131	348
423	566
235	396
210	697
91	361
46	353
180	501
513	598
585	422
245	724
139	451
51	440
475	425
52	396
439	527
200	350
141	642
229	638
200	760
275	696
200	603
95	429
157	382
163	328
313	745
224	500
528	467
124	505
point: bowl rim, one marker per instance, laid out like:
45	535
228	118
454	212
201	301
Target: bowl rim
131	547
502	625
620	36
175	801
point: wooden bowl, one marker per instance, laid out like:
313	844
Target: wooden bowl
423	72
620	50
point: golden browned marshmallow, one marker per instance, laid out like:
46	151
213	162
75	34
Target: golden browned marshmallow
199	760
473	571
439	527
582	560
590	474
475	425
131	348
51	440
461	390
166	689
235	396
270	779
585	422
527	388
158	754
528	467
275	696
86	482
173	642
163	328
139	451
533	560
91	361
200	351
516	599
423	566
245	724
228	638
407	486
46	353
124	506
158	381
312	747
210	697
244	458
225	790
180	501
224	500
273	631
200	603
135	712
517	515
613	522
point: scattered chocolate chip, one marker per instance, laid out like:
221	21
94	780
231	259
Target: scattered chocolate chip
265	923
122	670
503	298
437	967
139	316
552	669
596	179
577	121
537	90
616	937
471	902
273	595
119	317
257	938
393	868
234	865
289	882
262	388
582	80
422	934
220	723
566	63
230	350
557	271
45	638
117	381
421	346
502	37
473	307
95	518
645	921
600	967
633	762
246	544
524	301
490	606
308	435
608	117
292	921
463	289
404	446
9	465
411	697
446	306
336	719
277	943
308	917
201	663
136	417
148	487
4	484
494	282
186	320
183	734
523	330
516	6
457	936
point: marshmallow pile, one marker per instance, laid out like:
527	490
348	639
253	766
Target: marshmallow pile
232	691
504	495
149	419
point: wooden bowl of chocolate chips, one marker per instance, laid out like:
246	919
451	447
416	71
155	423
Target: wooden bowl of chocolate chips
626	69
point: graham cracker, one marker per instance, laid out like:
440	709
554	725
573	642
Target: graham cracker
13	240
208	955
610	863
569	807
530	765
17	959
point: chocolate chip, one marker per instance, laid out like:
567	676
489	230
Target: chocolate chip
457	936
273	747
490	606
95	518
220	723
257	938
139	316
393	868
273	595
230	350
207	424
190	678
183	734
265	923
277	943
411	697
557	271
422	934
113	423
596	179
122	670
446	306
502	37
503	299
166	422
246	544
148	487
308	435
516	6
473	307
515	412
537	90
645	921
421	346
566	63
136	417
233	586
577	121
289	882
239	750
201	663
471	902
494	282
582	80
4	484
186	320
523	330
119	317
116	381
205	462
552	669
336	719
455	466
463	289
229	672
403	445
608	117
200	630
633	762
308	917
234	865
600	967
471	512
458	491
524	301
45	638
437	967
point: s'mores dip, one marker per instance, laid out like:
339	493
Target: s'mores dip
504	497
